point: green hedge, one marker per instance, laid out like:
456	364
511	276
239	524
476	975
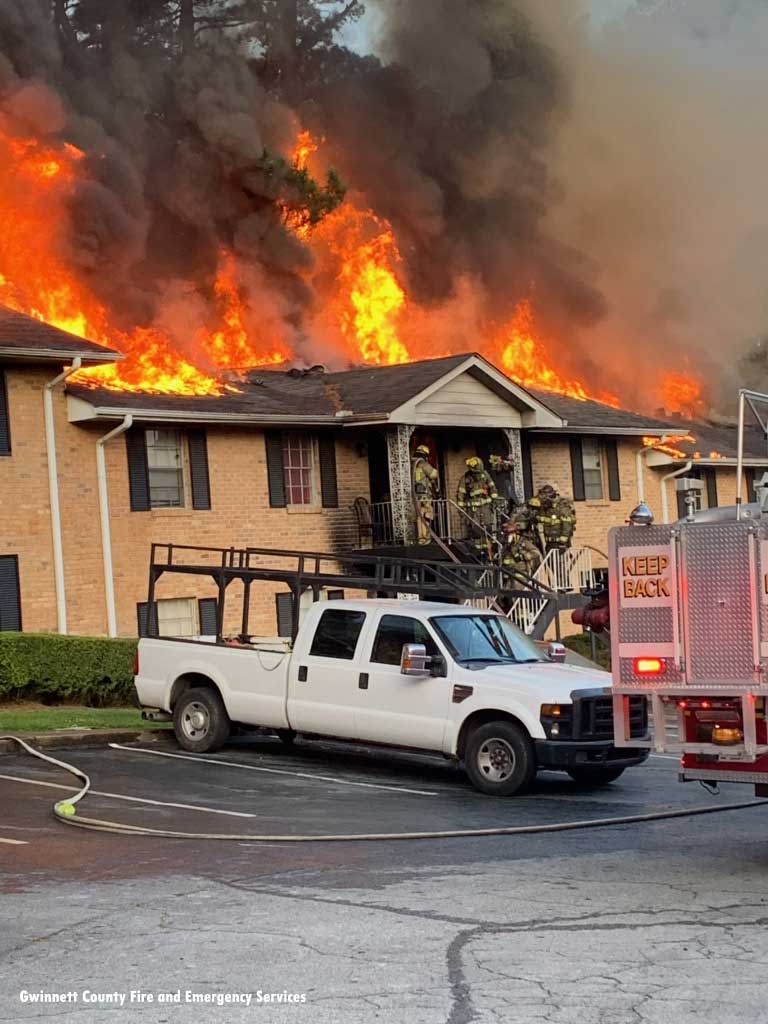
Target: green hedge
582	644
55	669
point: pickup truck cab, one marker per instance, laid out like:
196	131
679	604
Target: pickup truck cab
427	676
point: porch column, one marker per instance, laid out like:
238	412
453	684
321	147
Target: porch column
400	487
516	452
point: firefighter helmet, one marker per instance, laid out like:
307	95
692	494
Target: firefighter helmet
422	450
475	465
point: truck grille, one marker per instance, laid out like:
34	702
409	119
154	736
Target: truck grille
595	719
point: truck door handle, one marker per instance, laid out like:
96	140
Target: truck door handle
302	673
363	681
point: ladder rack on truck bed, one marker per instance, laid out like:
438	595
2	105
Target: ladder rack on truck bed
312	570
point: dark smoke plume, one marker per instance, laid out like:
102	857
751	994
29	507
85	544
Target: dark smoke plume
448	140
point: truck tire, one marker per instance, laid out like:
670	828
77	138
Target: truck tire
200	721
499	759
594	778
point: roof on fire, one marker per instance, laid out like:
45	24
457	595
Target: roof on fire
24	338
714	443
587	416
394	394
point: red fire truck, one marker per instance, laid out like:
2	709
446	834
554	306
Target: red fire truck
687	606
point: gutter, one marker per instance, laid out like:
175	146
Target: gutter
87	356
671	476
53	493
106	532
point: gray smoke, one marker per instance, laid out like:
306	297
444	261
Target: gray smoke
449	140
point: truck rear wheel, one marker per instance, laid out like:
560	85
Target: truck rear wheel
499	759
200	721
594	778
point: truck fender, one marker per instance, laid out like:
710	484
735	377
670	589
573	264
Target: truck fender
457	731
193	673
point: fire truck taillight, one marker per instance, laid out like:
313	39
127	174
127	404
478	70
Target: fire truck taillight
649	666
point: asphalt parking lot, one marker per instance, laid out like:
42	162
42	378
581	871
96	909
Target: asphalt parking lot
640	922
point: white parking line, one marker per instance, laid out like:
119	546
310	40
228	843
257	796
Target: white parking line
14	842
123	796
275	771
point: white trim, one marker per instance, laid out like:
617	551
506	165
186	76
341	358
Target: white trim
532	412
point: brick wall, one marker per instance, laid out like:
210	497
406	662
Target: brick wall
25	523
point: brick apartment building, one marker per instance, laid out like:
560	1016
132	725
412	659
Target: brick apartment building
309	460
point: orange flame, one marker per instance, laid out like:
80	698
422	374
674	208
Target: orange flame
524	358
369	300
365	312
682	392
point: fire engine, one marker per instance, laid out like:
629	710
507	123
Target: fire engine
686	606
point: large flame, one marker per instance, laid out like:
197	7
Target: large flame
365	310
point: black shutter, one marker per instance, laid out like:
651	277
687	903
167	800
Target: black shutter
138	472
5	423
749	478
577	469
525	451
206	607
10	596
141	614
273	441
710	477
328	484
614	483
198	469
682	508
284	604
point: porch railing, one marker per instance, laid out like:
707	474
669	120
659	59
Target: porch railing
451	523
564	572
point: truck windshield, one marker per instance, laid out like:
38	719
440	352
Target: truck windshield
485	638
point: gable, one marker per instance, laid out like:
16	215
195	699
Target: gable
465	401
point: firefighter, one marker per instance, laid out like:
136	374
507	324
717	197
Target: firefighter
554	518
520	553
426	487
476	496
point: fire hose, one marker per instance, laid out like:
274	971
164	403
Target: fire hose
65	811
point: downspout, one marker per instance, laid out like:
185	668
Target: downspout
671	476
106	532
53	493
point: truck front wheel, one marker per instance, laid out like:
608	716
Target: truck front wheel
200	721
594	778
499	759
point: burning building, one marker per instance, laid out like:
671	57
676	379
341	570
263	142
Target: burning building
309	459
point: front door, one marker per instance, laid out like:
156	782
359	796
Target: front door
323	683
409	711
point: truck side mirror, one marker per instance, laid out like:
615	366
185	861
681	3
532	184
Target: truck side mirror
414	660
556	652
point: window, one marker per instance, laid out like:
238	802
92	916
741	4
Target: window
592	465
165	465
393	632
10	598
298	468
177	617
337	634
488	638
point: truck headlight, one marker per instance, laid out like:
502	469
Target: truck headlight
557	720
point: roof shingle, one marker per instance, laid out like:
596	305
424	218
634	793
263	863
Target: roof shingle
24	334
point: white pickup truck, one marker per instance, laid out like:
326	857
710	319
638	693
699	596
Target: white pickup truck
426	676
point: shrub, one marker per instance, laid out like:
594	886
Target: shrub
55	669
582	644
